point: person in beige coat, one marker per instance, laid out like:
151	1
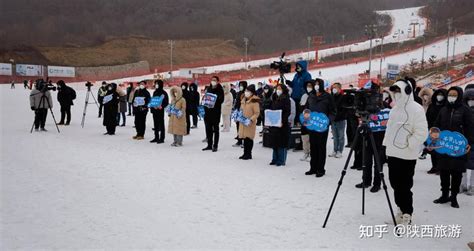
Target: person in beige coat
226	108
425	95
177	125
250	106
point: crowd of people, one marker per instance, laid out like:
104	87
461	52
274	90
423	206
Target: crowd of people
399	143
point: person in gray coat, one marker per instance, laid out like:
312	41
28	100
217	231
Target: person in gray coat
40	106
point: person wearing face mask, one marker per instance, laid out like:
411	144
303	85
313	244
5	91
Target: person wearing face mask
387	100
279	137
455	117
298	84
339	124
177	125
404	136
129	92
465	187
438	101
319	101
122	106
140	101
66	95
226	107
266	103
239	96
304	132
100	96
110	109
159	113
259	94
186	95
212	116
193	104
425	94
251	110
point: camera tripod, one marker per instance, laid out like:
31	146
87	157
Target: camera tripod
364	131
89	92
42	101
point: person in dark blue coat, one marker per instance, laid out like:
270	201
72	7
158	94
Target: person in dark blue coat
298	85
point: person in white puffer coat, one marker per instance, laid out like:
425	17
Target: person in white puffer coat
407	129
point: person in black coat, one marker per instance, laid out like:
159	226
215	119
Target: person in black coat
66	95
212	116
438	101
417	90
319	101
238	98
159	113
129	92
279	136
140	101
266	102
100	96
193	103
186	96
110	103
456	117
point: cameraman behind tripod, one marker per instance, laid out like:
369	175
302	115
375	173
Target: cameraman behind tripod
41	108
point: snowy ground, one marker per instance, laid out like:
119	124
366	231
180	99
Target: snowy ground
82	190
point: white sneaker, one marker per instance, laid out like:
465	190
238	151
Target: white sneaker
338	155
333	154
470	190
305	157
406	219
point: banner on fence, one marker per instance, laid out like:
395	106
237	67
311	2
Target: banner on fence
29	70
5	69
61	71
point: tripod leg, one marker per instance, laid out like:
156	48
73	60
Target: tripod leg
379	170
54	119
343	173
95	100
364	167
52	114
85	109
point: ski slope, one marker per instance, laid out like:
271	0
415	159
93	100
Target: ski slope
401	19
82	190
350	71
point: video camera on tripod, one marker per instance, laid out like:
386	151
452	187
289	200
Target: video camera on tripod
44	86
282	67
365	101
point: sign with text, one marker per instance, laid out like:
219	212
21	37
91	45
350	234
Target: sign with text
61	71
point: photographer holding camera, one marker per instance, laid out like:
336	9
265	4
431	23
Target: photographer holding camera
41	107
66	95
